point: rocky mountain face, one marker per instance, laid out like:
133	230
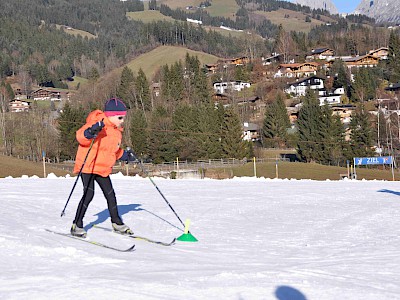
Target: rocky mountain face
321	4
381	10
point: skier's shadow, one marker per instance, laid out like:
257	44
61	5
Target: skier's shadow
288	293
123	209
104	215
389	192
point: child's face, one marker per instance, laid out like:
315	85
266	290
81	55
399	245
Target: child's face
117	120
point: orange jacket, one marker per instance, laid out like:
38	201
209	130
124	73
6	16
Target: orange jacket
105	150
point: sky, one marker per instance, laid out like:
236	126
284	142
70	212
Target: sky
346	6
258	238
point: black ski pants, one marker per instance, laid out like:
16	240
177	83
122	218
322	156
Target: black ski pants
88	194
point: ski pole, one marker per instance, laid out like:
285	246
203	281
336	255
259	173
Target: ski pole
77	177
155	185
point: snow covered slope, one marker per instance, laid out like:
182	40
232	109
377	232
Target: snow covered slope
258	239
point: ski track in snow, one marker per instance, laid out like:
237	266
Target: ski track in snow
258	239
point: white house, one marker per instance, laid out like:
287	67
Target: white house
300	87
315	83
251	132
272	59
339	91
329	99
321	53
222	87
19	106
297	70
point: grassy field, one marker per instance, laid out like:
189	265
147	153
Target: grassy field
297	170
295	22
76	32
174	4
73	85
223	8
148	16
151	61
10	166
14	167
225	32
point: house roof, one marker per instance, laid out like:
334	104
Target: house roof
347	106
250	126
297	65
19	101
319	50
393	87
305	79
379	49
273	56
358	58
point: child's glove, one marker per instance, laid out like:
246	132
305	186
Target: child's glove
92	132
129	156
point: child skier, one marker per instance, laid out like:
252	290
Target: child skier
103	133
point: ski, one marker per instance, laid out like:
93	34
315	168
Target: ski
142	238
132	248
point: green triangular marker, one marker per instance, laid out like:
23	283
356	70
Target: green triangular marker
187	236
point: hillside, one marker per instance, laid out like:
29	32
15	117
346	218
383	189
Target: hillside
221	8
72	31
291	20
148	16
151	61
380	10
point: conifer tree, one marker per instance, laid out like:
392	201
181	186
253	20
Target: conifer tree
142	89
361	135
383	134
184	126
364	86
232	143
276	123
338	145
207	127
242	73
165	83
69	121
341	75
93	75
310	127
161	144
176	82
139	133
125	89
7	90
202	87
332	145
393	61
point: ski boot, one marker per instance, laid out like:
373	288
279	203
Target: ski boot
78	231
122	229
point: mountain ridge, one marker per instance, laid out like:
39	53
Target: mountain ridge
380	10
319	4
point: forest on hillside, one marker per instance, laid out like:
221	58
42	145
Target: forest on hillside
29	38
183	121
